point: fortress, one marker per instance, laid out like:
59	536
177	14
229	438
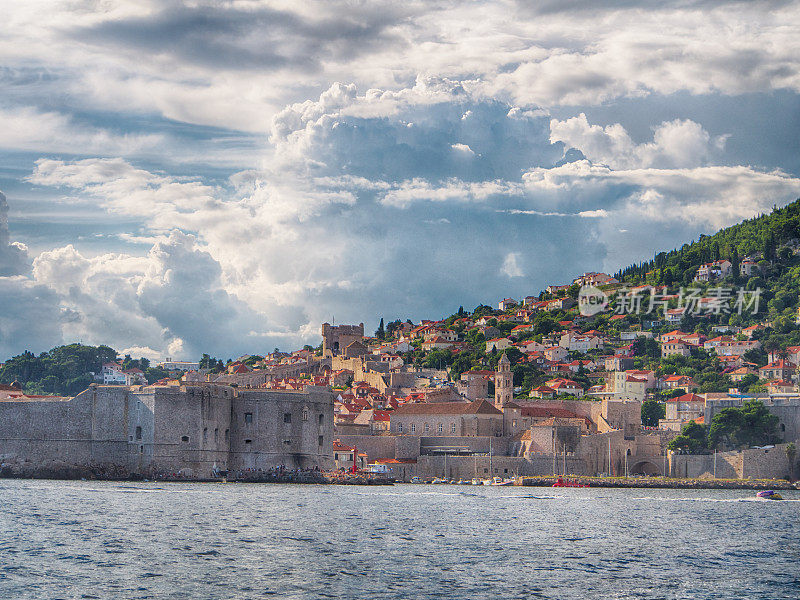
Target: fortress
196	430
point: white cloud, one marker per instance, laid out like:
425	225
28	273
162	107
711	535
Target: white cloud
25	128
510	267
676	144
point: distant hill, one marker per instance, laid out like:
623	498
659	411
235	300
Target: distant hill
66	370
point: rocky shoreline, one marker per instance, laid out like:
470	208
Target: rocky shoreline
67	472
665	483
63	471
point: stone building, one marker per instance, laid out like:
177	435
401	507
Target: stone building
335	338
469	419
195	430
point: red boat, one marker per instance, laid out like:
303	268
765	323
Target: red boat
574	484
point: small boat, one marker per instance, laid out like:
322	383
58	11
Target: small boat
501	481
416	480
476	481
769	495
567	483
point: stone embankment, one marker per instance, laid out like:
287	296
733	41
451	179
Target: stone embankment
65	471
356	479
664	483
61	470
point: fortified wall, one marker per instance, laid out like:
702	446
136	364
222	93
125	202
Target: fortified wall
193	430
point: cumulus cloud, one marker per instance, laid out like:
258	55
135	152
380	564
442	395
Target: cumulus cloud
30	317
172	299
510	267
676	144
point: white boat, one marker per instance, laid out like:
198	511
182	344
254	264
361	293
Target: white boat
501	481
476	481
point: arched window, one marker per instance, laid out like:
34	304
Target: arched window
305	413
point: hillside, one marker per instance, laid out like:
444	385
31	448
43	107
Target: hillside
66	370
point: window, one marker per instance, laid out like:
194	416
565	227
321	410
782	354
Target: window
248	417
305	414
320	441
413	427
321	419
426	428
287	442
439	428
138	433
216	436
287	417
248	442
336	456
185	438
399	428
227	435
513	422
452	427
205	434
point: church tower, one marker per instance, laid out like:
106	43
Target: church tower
503	383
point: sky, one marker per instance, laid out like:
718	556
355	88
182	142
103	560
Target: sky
223	177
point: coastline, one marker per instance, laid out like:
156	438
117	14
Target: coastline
338	479
664	483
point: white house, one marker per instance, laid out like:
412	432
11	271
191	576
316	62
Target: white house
114	374
713	270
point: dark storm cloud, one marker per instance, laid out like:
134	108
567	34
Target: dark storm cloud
264	38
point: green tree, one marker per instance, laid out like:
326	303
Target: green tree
692	440
752	424
652	411
380	333
791	455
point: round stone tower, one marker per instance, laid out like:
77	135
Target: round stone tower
503	383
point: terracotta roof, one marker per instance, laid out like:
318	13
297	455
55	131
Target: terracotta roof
688	398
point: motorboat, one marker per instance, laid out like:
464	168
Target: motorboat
501	481
561	482
476	481
769	495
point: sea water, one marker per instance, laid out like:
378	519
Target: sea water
63	539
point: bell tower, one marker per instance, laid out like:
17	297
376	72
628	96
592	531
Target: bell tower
503	383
